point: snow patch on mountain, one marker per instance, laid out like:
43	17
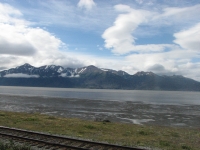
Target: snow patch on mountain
27	70
104	69
82	70
46	67
60	70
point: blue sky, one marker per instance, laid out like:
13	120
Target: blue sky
161	36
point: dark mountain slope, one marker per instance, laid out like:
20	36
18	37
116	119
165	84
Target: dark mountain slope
93	77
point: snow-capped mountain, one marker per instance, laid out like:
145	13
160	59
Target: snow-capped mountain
54	71
31	71
93	77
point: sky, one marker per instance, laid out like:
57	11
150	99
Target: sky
162	36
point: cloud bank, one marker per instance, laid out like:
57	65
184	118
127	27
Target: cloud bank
20	75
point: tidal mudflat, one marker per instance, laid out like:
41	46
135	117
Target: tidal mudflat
114	111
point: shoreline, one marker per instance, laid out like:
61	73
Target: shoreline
114	111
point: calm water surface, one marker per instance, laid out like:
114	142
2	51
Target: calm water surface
139	107
163	97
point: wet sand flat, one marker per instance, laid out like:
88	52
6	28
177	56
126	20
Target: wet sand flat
115	111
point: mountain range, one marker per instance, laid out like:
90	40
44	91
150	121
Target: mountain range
93	77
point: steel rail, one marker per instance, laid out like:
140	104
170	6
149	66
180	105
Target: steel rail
42	141
62	138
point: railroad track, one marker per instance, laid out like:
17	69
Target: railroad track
54	142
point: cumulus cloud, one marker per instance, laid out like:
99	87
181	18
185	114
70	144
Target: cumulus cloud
119	38
35	43
87	4
13	40
178	62
13	35
20	75
168	59
181	69
156	67
189	39
8	47
21	43
160	70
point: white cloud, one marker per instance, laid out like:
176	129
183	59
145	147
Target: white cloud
21	43
13	40
177	62
20	75
32	45
176	16
67	14
157	68
178	12
11	16
189	39
167	59
119	37
139	1
87	4
6	9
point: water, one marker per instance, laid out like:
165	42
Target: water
164	108
159	97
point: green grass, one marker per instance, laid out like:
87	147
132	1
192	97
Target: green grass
166	138
12	146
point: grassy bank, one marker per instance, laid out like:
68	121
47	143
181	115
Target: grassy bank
116	133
